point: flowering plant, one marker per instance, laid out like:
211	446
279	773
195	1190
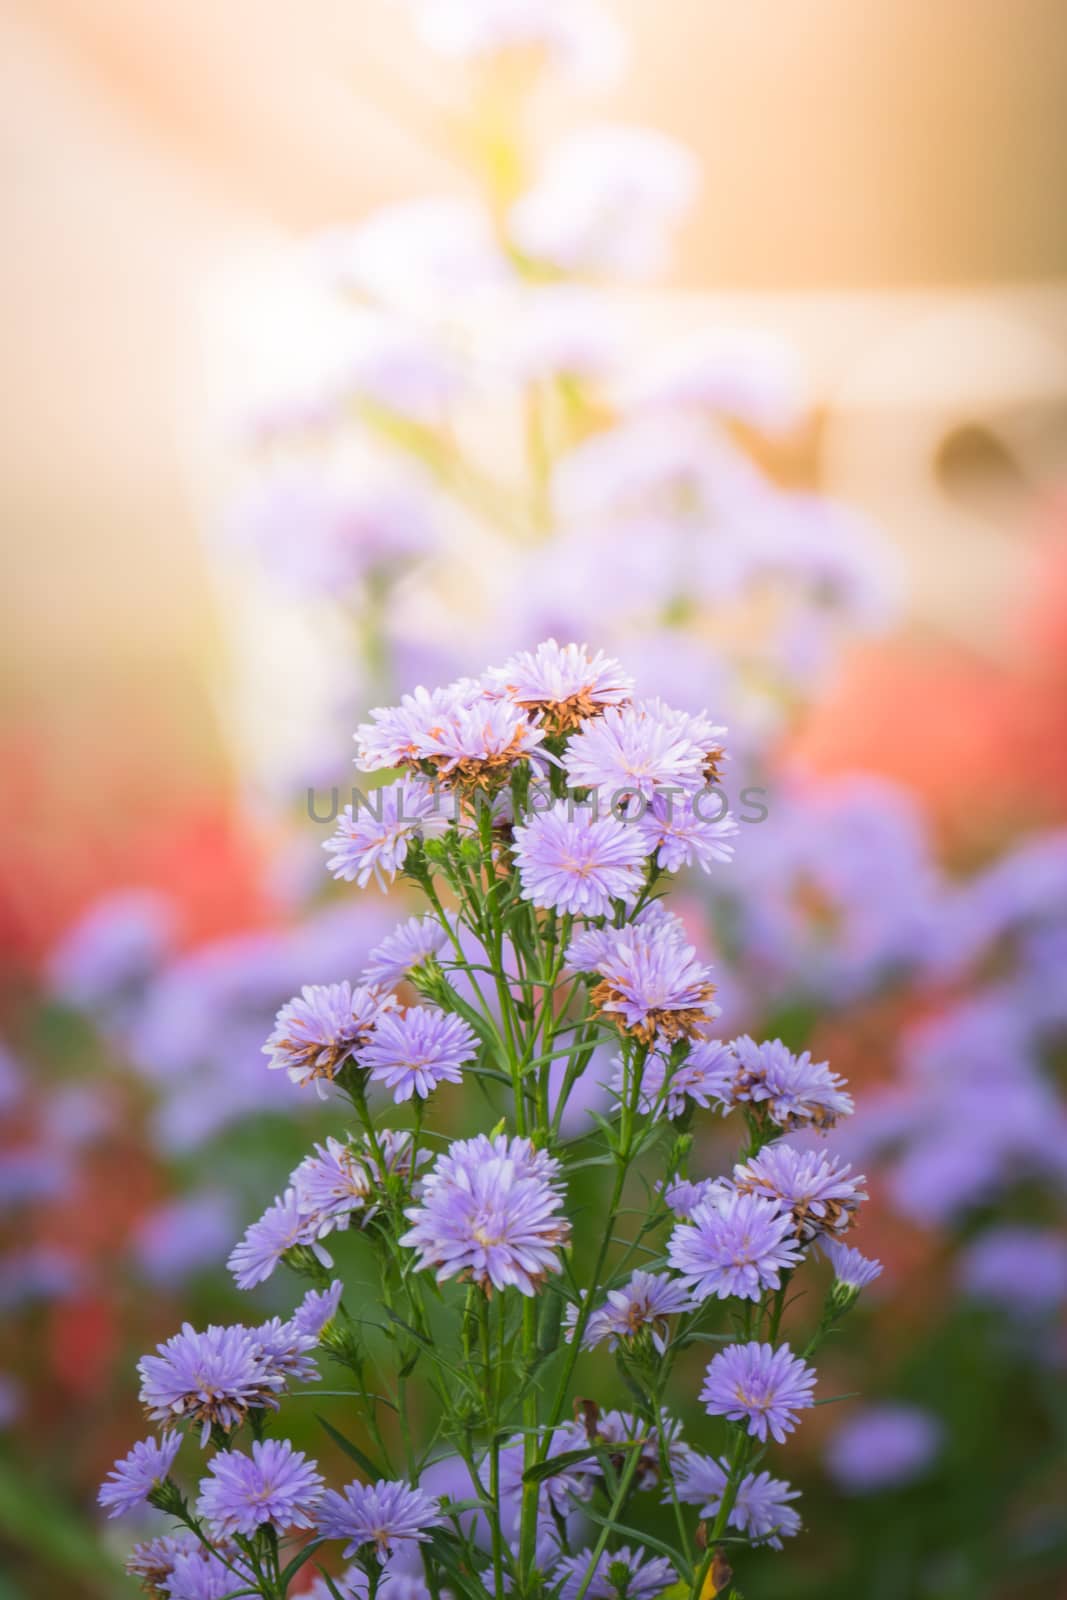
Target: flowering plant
547	970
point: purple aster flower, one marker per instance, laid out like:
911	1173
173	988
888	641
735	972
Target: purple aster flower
213	1378
153	1559
400	736
573	1481
647	1301
413	1051
1021	1270
479	743
638	749
593	945
281	1228
883	1447
315	1034
759	1384
562	684
816	1188
851	1269
372	838
275	1484
622	1574
131	1480
396	1148
761	1509
318	1307
284	1347
381	1515
796	1091
686	831
605	201
331	1185
667	1089
199	1574
418	940
736	1244
653	986
489	1211
620	1427
683	1195
182	1568
572	861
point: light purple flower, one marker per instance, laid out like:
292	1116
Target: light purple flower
315	1034
416	941
331	1185
647	1301
619	1427
285	1347
213	1378
103	962
652	984
1021	1270
479	742
639	749
574	862
618	1573
489	1211
372	838
737	372
605	201
275	1484
693	1079
131	1480
574	35
851	1269
760	1385
816	1188
563	684
761	1509
796	1091
684	1195
318	1307
184	1236
397	1150
153	1559
687	831
883	1447
736	1244
412	253
199	1574
413	1051
399	736
319	532
281	1228
182	1568
381	1515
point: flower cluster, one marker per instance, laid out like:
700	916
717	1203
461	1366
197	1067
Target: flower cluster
545	938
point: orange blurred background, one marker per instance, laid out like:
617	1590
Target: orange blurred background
883	186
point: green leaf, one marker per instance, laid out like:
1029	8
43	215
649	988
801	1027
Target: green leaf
648	1539
302	1556
328	1581
553	1464
351	1450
